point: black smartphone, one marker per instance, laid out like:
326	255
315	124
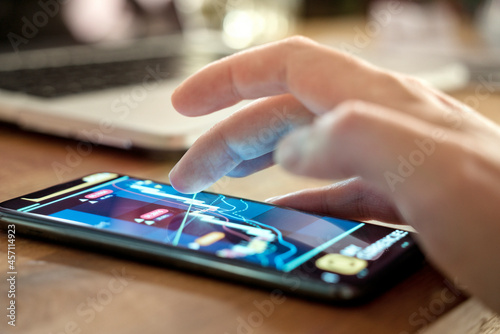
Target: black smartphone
321	257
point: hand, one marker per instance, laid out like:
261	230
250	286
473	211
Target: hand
408	153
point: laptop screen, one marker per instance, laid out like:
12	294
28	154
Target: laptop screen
32	24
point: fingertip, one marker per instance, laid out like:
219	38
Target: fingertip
178	182
179	101
185	182
190	97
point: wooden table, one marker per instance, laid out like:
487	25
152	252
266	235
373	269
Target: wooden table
64	290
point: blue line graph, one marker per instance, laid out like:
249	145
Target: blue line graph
252	231
279	259
248	231
304	257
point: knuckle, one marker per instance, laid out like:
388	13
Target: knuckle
414	82
415	92
298	41
414	89
351	115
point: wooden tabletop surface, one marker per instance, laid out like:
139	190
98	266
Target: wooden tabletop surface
60	289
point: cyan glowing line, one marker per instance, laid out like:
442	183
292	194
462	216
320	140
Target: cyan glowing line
28	207
292	250
227	210
278	259
216	221
158	192
179	231
123	178
242	210
306	256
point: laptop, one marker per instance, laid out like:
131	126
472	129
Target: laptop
100	71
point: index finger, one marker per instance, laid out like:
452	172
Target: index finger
277	68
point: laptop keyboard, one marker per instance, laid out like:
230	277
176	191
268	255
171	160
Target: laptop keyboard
61	81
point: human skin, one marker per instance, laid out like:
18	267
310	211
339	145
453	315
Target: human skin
406	153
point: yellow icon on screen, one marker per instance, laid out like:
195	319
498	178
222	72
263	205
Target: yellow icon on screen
258	246
341	264
210	238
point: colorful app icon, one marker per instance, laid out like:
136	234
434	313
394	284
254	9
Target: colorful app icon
99	193
341	264
154	214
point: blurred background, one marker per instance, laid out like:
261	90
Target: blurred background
449	43
460	32
77	60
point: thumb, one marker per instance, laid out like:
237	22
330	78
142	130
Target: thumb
349	199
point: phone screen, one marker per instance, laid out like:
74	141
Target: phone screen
225	227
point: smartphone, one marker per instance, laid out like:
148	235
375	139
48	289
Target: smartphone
247	241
